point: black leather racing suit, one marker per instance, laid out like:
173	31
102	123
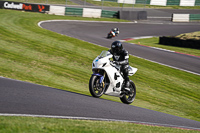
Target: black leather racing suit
122	59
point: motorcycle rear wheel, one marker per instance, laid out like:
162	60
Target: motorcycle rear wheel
129	97
109	35
96	90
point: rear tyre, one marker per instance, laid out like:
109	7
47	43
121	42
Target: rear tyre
96	89
128	98
109	36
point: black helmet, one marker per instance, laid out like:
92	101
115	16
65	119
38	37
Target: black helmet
116	47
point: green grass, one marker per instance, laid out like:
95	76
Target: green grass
47	125
33	54
154	42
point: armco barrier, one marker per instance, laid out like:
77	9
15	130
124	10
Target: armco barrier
92	13
57	10
197	3
142	2
73	11
126	1
173	2
109	14
24	6
110	0
180	17
187	2
159	2
185	17
89	12
194	17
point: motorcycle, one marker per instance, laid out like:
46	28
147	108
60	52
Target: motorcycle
111	34
107	79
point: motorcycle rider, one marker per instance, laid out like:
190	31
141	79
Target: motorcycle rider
120	57
116	31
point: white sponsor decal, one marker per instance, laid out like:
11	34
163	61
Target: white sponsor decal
116	57
126	57
13	6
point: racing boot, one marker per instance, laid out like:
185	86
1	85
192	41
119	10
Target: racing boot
127	86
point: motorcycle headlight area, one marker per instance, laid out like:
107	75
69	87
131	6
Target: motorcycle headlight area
98	63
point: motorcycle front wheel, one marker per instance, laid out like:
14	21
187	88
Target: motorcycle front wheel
96	89
128	98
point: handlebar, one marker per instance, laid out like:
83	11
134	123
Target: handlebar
115	65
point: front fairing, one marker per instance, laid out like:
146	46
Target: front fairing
102	60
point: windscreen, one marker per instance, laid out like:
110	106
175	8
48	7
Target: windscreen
104	54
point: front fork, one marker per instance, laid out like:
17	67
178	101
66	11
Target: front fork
101	81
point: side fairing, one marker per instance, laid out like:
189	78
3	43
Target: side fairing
115	78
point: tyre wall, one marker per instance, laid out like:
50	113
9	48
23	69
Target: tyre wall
172	41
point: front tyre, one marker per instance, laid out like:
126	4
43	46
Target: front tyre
128	98
96	89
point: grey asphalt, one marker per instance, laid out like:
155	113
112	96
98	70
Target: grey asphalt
18	97
96	32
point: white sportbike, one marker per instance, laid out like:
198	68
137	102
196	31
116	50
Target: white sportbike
107	79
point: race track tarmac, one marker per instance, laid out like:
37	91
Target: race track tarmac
96	32
17	97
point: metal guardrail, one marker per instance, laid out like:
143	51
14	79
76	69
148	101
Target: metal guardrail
197	3
185	17
111	0
173	2
194	17
109	14
144	2
73	11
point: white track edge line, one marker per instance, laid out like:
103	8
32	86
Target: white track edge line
168	65
83	21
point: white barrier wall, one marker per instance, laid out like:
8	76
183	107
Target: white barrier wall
158	2
181	18
93	13
126	1
187	2
57	10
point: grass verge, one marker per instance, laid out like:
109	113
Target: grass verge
48	125
33	54
154	42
